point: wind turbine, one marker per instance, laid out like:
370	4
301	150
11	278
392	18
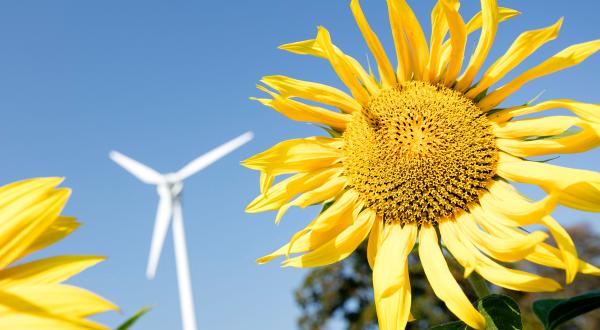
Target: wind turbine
169	188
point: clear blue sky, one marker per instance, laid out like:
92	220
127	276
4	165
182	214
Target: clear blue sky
164	81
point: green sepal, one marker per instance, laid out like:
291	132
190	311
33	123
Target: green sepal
326	205
544	160
333	133
480	96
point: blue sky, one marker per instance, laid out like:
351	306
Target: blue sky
166	81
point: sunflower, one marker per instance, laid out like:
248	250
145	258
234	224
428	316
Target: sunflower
32	295
423	153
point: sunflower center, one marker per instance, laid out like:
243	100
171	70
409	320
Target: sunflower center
419	153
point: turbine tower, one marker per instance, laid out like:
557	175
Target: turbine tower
169	188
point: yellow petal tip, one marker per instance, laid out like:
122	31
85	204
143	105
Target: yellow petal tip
263	260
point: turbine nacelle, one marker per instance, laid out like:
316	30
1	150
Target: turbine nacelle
172	183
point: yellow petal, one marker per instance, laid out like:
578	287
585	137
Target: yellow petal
451	240
59	229
458	39
503	249
336	218
266	181
587	111
492	220
365	78
290	87
341	67
304	47
565	257
393	312
442	282
388	76
439	29
297	155
506	200
303	112
58	299
586	139
506	277
476	22
390	276
403	16
544	254
517	280
565	245
22	229
344	204
575	188
473	25
287	189
564	59
338	248
328	190
375	239
404	67
547	255
488	33
28	321
26	190
392	258
46	271
543	126
322	229
586	268
312	47
21	195
525	44
50	307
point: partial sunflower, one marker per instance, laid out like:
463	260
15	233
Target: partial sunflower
423	151
32	295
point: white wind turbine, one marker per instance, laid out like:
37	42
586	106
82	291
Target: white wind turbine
169	188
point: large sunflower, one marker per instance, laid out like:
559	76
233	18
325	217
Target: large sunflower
423	151
32	295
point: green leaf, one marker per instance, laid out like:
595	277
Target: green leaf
500	312
553	312
456	325
129	322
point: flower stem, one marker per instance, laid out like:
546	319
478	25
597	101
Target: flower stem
479	285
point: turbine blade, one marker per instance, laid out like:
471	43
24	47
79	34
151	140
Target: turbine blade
139	170
161	226
184	282
212	156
